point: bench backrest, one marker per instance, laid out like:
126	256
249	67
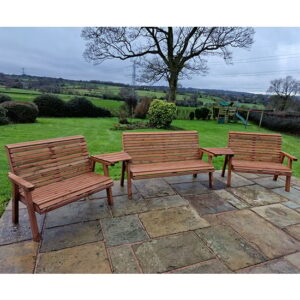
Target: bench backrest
255	146
155	147
48	161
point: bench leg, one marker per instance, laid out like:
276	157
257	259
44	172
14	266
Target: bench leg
224	165
211	179
195	175
129	189
275	177
15	205
123	173
288	183
109	196
33	224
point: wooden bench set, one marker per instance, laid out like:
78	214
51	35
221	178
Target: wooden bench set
51	173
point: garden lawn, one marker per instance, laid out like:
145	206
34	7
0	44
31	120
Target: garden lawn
101	139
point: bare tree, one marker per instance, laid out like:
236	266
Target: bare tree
285	89
165	52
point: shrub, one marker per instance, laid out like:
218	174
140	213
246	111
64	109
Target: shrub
4	98
82	107
21	112
290	125
50	106
161	113
142	108
3	117
201	113
192	115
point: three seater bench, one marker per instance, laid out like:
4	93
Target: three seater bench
161	154
51	173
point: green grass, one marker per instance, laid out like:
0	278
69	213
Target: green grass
101	139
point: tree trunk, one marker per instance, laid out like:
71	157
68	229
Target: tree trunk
173	80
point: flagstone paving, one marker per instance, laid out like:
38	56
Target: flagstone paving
278	215
230	247
256	195
172	225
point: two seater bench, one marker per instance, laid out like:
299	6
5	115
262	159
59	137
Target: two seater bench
51	173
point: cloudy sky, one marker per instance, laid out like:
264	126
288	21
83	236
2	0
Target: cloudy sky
57	52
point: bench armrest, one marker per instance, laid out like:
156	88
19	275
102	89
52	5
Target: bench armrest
20	182
203	150
284	154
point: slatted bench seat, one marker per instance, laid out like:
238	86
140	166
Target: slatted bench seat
161	154
51	173
259	153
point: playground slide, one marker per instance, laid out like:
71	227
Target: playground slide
241	118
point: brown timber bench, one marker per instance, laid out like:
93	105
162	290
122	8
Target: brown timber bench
259	153
161	154
51	173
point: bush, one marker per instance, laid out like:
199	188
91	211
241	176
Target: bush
161	113
290	125
21	112
142	108
82	107
201	113
50	106
3	117
192	115
4	98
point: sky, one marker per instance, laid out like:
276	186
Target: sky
57	52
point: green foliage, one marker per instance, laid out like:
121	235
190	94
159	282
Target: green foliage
192	115
201	113
3	117
50	106
161	113
21	112
4	98
82	107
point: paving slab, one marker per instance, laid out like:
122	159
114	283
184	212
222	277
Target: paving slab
278	266
269	183
18	257
71	235
234	201
217	185
291	204
278	214
166	202
293	195
212	266
80	211
209	203
256	195
88	258
268	239
123	261
294	259
9	205
10	233
171	252
172	220
236	180
156	187
186	178
233	250
294	231
117	190
190	188
253	175
123	206
295	182
123	230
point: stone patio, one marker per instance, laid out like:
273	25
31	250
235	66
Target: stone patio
172	225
